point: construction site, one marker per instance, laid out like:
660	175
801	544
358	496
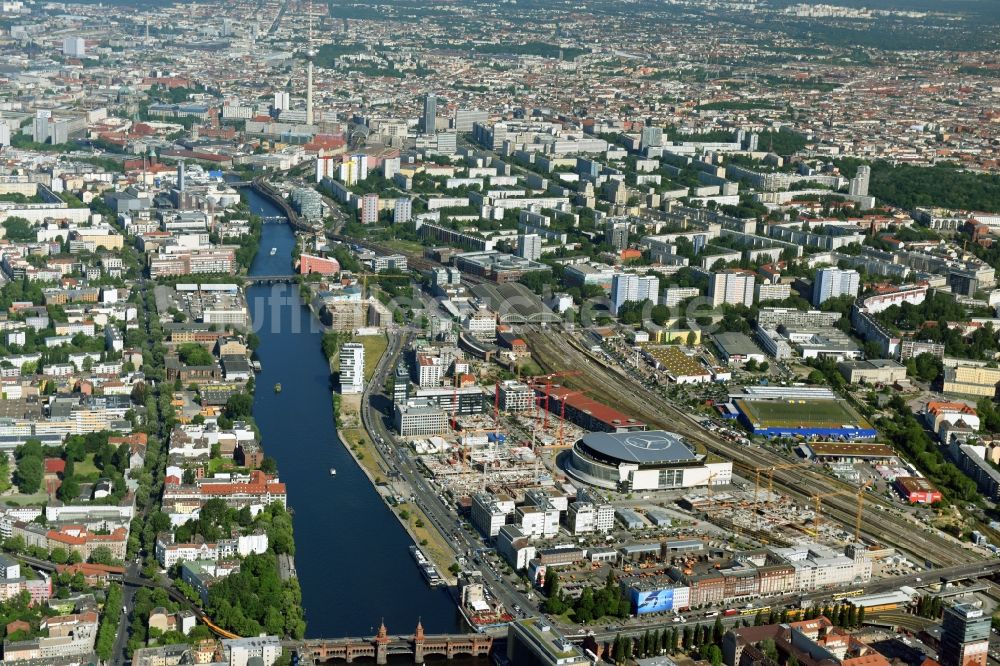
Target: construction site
512	449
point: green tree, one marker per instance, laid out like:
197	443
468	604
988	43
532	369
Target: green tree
618	651
14	544
69	489
18	229
192	353
102	555
29	473
551	583
110	618
239	406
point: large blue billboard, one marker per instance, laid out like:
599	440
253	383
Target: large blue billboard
653	601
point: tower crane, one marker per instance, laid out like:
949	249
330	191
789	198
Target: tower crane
859	495
534	381
769	470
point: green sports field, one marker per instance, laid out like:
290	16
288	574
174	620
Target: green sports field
805	413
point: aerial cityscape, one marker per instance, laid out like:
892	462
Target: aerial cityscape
527	332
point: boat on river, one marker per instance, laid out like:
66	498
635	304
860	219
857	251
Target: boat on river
427	568
277	387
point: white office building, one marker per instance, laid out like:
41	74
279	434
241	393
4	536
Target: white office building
74	47
834	282
859	184
430	370
282	101
489	513
243	651
673	296
390	167
581	518
403	210
352	368
626	287
604	512
529	246
731	287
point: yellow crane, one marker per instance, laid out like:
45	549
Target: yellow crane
769	470
859	496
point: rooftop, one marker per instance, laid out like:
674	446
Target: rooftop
646	447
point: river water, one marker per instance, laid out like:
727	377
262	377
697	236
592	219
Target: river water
352	555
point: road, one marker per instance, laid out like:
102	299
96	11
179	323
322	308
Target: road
398	459
118	655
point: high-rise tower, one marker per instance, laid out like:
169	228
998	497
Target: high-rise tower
965	638
310	54
428	121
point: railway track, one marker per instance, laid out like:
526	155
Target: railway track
553	352
413	259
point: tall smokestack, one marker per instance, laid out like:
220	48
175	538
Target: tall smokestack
180	176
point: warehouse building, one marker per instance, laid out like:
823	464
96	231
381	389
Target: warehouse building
737	348
585	412
873	371
917	490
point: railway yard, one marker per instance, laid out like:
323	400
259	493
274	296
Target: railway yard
557	350
880	523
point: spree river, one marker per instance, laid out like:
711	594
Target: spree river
352	555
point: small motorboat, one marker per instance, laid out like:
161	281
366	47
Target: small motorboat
277	387
274	251
333	472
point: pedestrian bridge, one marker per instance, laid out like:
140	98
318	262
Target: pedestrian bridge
382	646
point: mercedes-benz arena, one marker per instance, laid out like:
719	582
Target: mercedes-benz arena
647	460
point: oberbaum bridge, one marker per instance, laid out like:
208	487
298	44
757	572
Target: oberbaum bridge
382	646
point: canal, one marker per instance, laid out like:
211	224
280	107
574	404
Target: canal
352	555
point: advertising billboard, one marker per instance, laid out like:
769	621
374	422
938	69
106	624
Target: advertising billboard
653	601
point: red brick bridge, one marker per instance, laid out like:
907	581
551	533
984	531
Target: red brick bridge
383	646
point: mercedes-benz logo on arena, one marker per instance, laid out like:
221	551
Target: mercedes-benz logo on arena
648	441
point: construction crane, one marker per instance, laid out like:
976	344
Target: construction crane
859	496
534	381
454	403
562	418
708	486
769	469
